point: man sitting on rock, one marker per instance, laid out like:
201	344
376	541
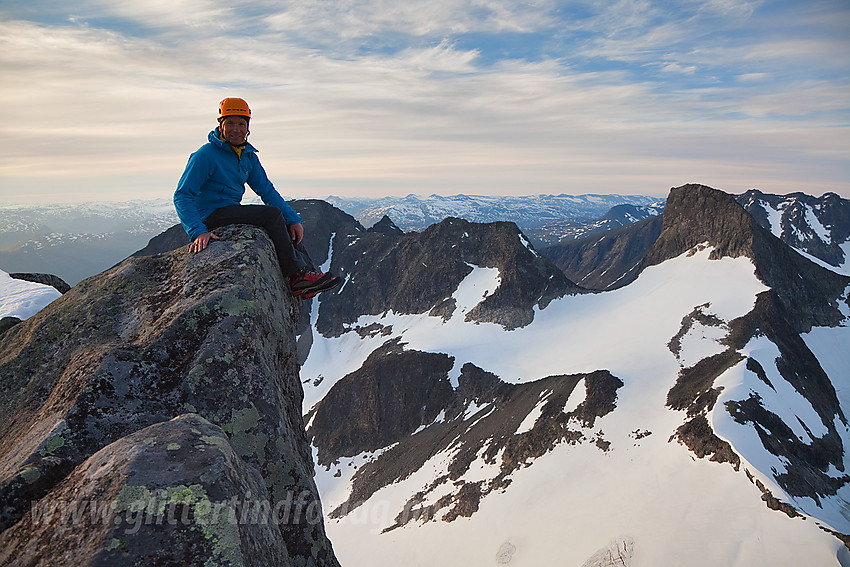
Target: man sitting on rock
209	195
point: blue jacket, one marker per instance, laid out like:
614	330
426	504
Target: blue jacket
215	177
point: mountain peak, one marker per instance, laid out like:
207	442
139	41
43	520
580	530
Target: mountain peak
419	272
697	215
386	226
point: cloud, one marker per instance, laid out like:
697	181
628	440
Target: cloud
368	96
357	19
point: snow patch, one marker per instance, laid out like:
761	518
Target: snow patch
530	419
774	218
475	287
528	245
577	397
814	223
23	299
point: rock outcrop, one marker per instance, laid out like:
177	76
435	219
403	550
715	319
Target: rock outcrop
176	374
173	493
46	279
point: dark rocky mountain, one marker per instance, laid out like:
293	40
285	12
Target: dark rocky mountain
801	295
386	268
394	401
386	226
177	375
818	226
697	215
609	260
418	272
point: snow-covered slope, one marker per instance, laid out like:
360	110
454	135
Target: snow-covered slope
642	492
695	416
23	299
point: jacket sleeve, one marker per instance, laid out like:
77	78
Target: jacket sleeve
260	184
197	171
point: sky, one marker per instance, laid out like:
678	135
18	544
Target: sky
106	99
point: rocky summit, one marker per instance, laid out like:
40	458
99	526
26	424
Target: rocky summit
697	215
152	416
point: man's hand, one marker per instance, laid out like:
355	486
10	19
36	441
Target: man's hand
296	232
201	242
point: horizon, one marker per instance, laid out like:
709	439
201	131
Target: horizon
485	97
251	197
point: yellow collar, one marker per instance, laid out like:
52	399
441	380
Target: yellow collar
237	149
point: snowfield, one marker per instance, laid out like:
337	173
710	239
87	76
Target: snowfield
23	299
647	500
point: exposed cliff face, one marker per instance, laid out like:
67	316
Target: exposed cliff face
418	272
153	339
697	215
388	398
606	261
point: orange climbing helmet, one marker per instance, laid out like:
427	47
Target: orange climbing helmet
233	107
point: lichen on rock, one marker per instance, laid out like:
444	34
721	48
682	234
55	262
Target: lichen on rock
145	342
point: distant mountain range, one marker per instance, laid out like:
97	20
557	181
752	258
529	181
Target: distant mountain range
75	241
545	219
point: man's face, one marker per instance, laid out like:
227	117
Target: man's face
234	129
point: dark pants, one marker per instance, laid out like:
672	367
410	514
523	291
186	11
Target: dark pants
292	257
